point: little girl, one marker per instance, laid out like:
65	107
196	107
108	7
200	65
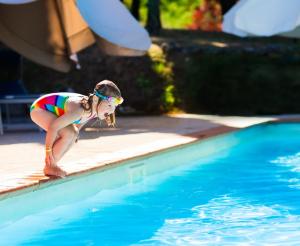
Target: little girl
63	114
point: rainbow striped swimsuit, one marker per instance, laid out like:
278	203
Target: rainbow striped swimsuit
54	103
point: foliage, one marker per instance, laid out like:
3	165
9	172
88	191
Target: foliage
164	70
174	13
204	15
127	3
178	14
207	16
255	84
245	76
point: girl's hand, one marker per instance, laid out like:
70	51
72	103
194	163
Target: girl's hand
107	119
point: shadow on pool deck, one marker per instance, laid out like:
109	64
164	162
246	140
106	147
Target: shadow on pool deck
22	152
125	126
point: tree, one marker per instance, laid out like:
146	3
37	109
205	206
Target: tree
135	7
226	5
207	16
153	17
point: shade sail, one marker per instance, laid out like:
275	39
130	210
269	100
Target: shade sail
77	32
50	31
111	49
16	1
268	17
292	34
34	31
44	31
112	21
230	21
228	25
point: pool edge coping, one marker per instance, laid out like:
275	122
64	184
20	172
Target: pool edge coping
36	181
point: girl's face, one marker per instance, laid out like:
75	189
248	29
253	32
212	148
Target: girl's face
105	108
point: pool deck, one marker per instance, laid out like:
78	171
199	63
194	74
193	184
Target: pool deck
22	152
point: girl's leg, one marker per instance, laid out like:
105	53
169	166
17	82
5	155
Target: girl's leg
65	139
60	147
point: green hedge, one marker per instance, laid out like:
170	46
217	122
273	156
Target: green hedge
253	77
241	83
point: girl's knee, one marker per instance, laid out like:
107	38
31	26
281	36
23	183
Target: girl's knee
69	132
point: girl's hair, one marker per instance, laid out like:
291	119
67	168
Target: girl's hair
105	88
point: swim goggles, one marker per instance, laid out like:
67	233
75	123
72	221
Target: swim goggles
114	100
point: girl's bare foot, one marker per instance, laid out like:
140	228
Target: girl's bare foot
54	171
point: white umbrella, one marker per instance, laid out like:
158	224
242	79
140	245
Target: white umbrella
228	25
292	34
268	17
58	31
111	20
16	1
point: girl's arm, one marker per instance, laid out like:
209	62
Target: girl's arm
79	127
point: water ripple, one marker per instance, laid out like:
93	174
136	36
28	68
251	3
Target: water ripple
230	221
292	162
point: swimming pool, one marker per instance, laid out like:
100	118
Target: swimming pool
241	188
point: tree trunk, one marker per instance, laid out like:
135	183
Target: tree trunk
226	5
135	7
153	18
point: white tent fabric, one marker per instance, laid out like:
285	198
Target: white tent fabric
229	20
268	17
16	1
111	20
292	34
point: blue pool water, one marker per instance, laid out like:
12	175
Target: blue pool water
239	189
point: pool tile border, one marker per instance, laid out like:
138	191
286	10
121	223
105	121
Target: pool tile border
34	180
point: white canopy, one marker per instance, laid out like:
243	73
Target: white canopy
229	20
16	1
111	20
58	30
268	17
262	18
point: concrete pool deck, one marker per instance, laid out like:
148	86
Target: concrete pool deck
22	152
